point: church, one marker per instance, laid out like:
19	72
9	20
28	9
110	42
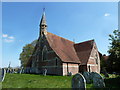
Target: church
60	56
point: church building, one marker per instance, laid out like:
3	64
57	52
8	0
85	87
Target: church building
60	56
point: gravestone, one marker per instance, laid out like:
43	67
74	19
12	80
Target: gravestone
2	76
98	80
12	71
28	70
87	77
69	74
8	70
25	70
18	71
21	70
78	82
32	70
45	72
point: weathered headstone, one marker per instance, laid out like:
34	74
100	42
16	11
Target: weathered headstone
20	70
32	70
28	70
8	70
78	82
87	77
69	74
23	70
2	75
98	80
45	72
14	71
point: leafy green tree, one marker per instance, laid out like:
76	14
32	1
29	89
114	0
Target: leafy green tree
114	51
26	53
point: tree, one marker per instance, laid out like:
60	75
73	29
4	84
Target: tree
114	51
26	53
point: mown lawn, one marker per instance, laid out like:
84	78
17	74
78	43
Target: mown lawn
40	81
37	81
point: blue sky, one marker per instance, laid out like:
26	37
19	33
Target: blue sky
75	21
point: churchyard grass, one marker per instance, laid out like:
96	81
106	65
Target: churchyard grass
36	81
113	81
40	81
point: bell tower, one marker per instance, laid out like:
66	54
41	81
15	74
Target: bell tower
43	24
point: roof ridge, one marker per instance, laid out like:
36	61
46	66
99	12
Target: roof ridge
85	41
61	37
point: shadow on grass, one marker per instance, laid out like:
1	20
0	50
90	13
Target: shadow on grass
112	82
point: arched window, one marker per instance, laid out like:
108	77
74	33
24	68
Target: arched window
44	53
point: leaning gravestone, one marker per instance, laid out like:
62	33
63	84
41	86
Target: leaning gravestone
98	80
2	75
87	77
78	82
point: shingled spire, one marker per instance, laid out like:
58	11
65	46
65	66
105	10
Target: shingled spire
43	24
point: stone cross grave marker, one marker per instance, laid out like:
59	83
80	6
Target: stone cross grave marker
78	82
87	77
98	80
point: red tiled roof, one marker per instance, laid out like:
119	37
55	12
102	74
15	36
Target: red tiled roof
67	50
83	50
63	48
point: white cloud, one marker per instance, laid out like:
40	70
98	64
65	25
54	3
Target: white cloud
4	35
7	38
11	37
107	14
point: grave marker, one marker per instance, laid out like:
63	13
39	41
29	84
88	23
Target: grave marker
87	77
98	80
78	82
